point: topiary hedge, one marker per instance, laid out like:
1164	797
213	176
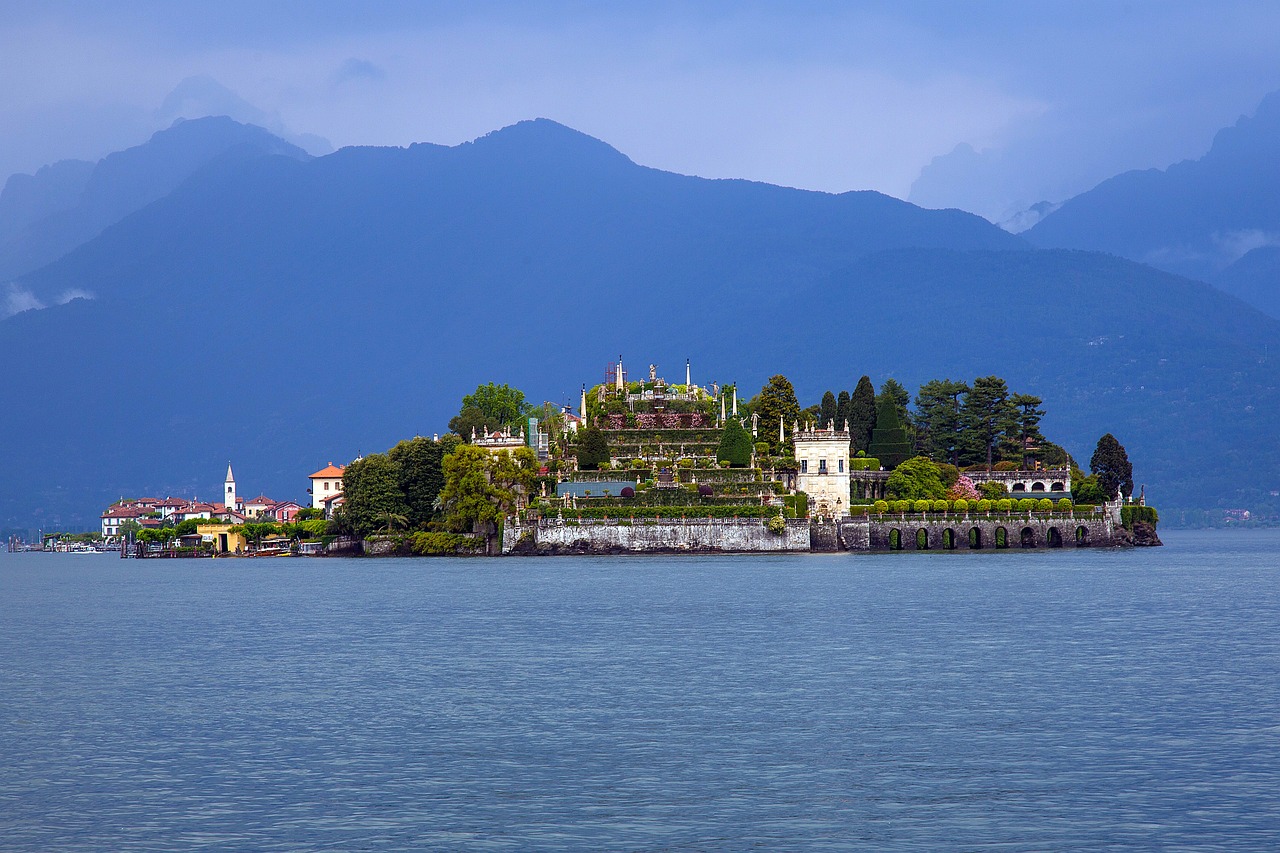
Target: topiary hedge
1131	513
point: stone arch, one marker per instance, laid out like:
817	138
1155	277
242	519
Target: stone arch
922	539
1002	537
895	539
1082	536
1028	537
949	539
1058	487
1054	538
1019	487
1037	487
975	538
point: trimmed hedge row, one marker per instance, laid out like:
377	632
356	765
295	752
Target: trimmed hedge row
984	505
444	544
669	512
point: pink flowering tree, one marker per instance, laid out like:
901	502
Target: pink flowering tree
964	488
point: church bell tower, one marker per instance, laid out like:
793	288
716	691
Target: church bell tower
229	491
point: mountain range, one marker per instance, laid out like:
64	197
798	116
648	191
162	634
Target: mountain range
283	311
1216	218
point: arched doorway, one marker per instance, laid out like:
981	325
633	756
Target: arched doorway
922	539
1019	487
1002	537
1028	538
895	539
1058	487
975	538
1055	538
1082	536
1037	487
949	539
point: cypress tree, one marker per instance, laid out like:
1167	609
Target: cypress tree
735	445
862	414
889	441
842	409
593	448
827	410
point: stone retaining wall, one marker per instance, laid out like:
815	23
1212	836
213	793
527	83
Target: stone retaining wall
956	532
547	536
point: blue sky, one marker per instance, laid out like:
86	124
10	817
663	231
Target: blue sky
987	106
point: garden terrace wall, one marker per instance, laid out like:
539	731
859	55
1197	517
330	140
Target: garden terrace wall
953	531
547	536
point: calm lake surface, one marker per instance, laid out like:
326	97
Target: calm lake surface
1022	701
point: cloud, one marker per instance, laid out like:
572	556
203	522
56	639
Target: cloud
18	299
355	70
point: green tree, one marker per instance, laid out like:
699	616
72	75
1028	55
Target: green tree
1110	464
481	488
501	404
842	409
776	403
419	466
916	479
987	416
937	418
370	488
471	420
593	448
827	411
889	441
862	414
392	521
894	390
127	527
1027	438
735	444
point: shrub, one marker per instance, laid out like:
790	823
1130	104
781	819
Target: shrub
705	491
961	505
1064	504
881	506
1006	466
993	491
735	445
593	448
684	463
762	448
902	506
604	466
984	505
1131	513
777	525
916	478
949	472
638	463
963	487
1026	504
436	544
922	505
1004	505
941	505
628	492
725	463
1044	505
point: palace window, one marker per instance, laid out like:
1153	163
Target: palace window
822	466
804	466
841	464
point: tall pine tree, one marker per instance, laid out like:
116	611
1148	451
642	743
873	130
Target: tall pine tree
938	418
889	441
1110	463
776	402
987	417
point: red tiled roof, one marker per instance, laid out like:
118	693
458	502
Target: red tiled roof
124	512
328	499
330	471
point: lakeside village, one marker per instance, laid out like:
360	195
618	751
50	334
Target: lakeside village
647	466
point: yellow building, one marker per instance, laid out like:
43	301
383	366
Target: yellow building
223	540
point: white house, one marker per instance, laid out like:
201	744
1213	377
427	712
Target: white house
325	483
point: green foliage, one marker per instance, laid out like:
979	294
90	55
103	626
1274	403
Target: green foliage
827	410
941	505
984	505
1026	504
482	488
309	513
993	490
986	417
842	409
1006	465
1044	505
1110	464
1004	505
776	525
889	440
735	445
916	478
902	506
864	463
862	414
370	488
1064	504
923	505
761	448
881	506
937	420
696	511
1085	490
950	474
1025	441
444	544
1131	513
420	476
502	405
961	505
593	448
776	403
893	390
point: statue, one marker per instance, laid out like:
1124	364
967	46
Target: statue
653	373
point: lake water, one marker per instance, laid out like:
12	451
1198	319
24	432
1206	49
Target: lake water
1023	701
